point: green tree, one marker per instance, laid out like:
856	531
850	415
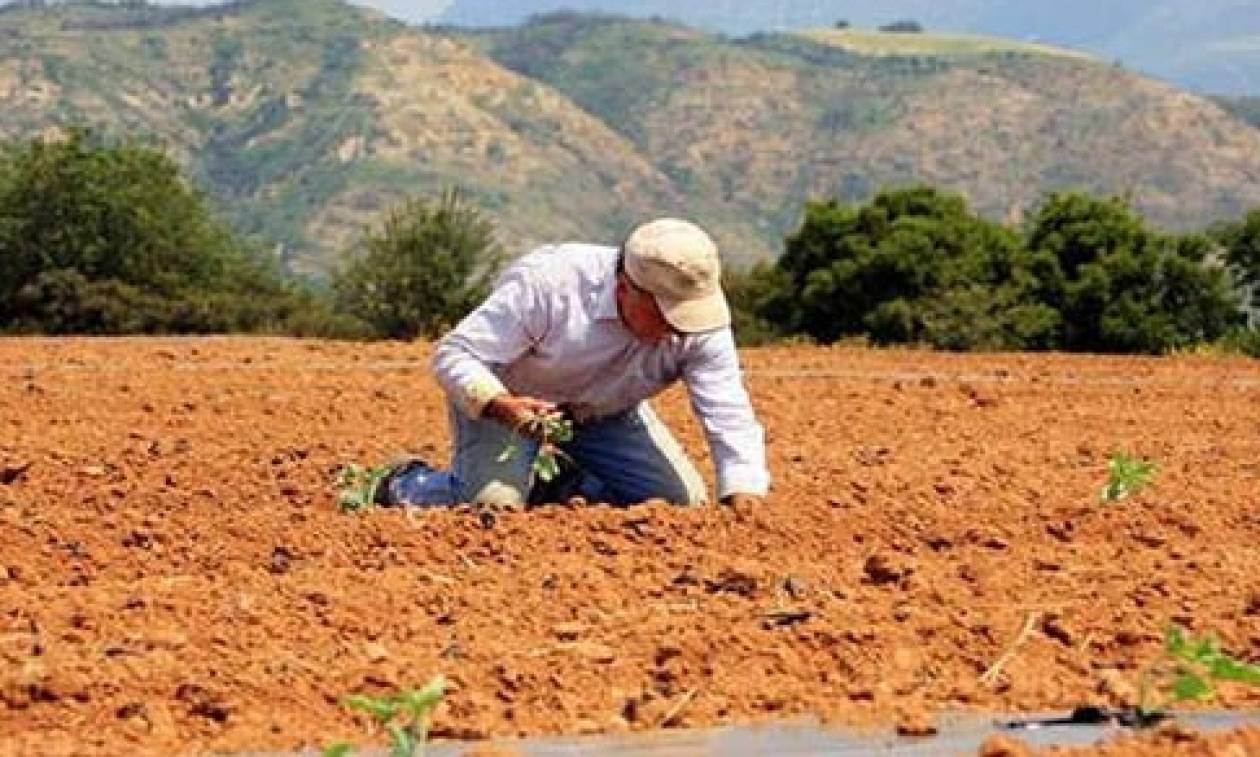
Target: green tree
1121	287
903	26
110	213
760	298
110	238
914	265
428	265
1241	241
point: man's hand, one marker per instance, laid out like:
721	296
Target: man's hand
742	503
515	411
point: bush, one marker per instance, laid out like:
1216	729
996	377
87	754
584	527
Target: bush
1242	341
905	26
428	265
119	213
1121	287
1241	242
757	297
111	239
914	265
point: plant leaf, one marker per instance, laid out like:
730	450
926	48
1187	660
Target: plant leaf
1225	668
1175	640
1190	686
419	702
546	467
383	710
340	749
401	743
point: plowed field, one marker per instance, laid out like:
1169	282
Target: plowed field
175	575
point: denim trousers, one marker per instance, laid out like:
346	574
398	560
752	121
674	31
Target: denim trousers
621	459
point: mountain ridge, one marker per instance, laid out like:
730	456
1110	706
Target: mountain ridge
1210	46
305	119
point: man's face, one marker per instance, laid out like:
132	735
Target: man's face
640	313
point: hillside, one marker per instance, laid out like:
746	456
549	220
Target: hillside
753	127
1246	108
1204	45
306	119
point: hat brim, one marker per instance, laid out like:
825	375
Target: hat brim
698	315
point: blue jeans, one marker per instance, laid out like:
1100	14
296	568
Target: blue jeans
621	459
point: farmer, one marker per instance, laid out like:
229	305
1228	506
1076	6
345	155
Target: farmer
589	333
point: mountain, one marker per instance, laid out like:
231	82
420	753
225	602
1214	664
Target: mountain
304	120
755	126
1246	108
1204	45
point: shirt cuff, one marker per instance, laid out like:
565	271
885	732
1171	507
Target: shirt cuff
477	393
752	482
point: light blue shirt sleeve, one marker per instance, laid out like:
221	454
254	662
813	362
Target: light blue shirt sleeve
505	326
720	402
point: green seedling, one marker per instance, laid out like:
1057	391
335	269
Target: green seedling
1126	475
405	716
549	430
358	486
1188	671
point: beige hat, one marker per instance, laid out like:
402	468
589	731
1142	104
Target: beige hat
677	262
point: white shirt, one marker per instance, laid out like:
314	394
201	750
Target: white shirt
551	330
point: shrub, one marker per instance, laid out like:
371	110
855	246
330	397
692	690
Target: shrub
1121	287
1241	242
120	213
914	265
760	300
110	239
428	265
904	26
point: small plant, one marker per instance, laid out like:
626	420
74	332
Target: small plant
415	710
549	430
1126	475
359	486
1187	672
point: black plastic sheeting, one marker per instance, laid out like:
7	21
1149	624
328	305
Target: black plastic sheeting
957	735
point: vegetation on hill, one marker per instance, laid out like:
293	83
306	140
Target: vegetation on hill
1203	45
893	40
750	129
305	120
1246	108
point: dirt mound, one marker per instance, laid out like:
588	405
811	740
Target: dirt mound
175	576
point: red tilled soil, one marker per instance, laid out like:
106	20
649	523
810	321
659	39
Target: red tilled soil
1167	741
175	575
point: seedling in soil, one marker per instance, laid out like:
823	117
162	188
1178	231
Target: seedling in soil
358	486
549	430
406	716
1188	671
1126	475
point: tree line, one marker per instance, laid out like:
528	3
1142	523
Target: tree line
1083	274
110	238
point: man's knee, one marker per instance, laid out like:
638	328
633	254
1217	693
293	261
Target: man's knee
687	490
497	494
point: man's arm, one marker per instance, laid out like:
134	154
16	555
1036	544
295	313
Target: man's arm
512	319
737	441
